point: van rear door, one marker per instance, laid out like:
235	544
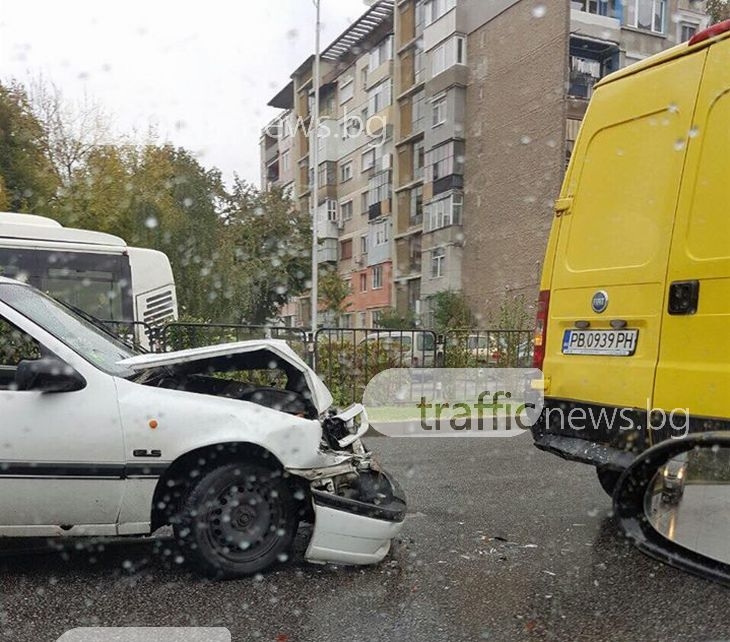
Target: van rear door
619	204
694	363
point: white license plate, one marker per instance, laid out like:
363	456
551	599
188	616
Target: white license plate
610	343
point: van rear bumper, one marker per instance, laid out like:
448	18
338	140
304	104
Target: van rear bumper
593	434
586	452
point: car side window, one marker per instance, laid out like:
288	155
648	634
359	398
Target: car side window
15	346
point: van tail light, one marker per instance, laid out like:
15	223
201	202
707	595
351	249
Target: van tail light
711	32
543	306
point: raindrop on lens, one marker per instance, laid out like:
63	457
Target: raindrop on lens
151	222
539	11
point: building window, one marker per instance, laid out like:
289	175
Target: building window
346	171
364	204
347	89
597	7
380	188
364	244
332	210
346	250
444	212
687	31
419	160
416	217
445	160
649	15
368	159
449	53
419	66
346	209
364	78
417	112
379	97
438	262
377	277
382	233
364	282
435	9
351	128
286	161
438	106
327	174
381	54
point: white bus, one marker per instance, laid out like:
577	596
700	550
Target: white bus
95	272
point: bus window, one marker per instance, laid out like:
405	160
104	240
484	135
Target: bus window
99	284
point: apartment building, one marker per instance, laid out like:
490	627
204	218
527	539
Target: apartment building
445	129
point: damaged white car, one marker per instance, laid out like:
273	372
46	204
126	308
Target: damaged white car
233	445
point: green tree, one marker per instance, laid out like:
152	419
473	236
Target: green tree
28	180
333	293
718	10
267	245
513	314
391	319
450	310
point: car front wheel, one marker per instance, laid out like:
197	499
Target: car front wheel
238	520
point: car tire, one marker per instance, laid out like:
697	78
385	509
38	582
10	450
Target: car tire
238	520
608	479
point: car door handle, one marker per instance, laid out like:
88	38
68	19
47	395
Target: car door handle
684	298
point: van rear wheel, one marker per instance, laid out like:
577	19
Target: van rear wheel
608	479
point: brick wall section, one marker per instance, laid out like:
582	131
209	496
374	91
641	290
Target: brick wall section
515	155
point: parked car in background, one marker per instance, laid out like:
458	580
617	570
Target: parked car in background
232	445
674	476
408	348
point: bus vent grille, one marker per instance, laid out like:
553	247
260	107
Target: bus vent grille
159	308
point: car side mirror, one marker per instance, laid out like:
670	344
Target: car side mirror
673	502
48	374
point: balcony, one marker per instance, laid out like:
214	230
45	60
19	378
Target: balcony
590	60
596	25
375	211
271	151
447	183
327	251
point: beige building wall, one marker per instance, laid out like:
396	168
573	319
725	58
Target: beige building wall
515	153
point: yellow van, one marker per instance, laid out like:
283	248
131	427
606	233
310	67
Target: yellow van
633	329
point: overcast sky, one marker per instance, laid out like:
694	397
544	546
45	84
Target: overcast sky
201	72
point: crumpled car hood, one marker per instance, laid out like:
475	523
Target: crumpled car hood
321	396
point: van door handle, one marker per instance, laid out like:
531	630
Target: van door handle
684	297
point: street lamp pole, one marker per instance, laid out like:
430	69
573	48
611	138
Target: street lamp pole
314	154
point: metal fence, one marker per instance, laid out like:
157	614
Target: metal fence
488	349
348	358
136	334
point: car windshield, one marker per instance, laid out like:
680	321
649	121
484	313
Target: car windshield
76	332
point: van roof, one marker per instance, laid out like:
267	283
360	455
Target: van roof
658	59
40	228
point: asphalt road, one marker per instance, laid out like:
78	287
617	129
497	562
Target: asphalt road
502	543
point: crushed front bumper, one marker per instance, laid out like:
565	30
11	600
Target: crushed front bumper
351	531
